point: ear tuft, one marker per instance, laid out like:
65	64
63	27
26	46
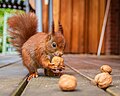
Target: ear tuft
49	37
60	27
53	28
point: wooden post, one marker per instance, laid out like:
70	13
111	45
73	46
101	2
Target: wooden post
27	6
86	26
38	4
56	13
102	7
4	33
93	28
103	28
50	14
81	25
66	21
75	26
45	15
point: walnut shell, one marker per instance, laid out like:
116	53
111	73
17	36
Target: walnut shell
58	62
103	80
106	68
67	82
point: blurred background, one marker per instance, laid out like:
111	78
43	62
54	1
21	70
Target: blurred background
82	22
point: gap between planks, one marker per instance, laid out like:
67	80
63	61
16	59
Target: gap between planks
10	63
21	87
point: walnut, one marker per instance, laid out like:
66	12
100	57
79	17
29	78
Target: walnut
58	62
67	82
106	68
103	80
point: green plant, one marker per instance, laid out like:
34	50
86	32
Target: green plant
2	11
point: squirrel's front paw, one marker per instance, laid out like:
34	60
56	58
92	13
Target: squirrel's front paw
33	75
52	66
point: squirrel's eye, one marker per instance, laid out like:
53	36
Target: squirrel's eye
54	45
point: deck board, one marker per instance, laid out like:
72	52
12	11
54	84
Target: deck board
7	60
89	66
49	86
81	66
11	76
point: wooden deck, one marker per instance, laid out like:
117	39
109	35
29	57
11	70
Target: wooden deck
13	77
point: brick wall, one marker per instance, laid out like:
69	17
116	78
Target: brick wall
113	29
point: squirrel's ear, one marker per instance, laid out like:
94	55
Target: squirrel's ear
49	36
60	27
53	29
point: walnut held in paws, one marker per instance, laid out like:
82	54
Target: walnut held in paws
106	68
103	80
67	82
58	62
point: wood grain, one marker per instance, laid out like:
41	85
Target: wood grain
102	7
93	26
56	13
10	78
81	26
75	26
66	21
82	22
86	26
45	16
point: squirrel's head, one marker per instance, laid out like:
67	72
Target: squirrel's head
55	43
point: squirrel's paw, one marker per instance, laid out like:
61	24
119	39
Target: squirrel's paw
51	66
54	67
34	75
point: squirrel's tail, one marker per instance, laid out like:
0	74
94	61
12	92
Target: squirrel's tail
21	28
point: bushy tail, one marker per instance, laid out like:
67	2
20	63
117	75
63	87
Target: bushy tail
21	28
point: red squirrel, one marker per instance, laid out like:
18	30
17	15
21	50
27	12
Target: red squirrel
35	48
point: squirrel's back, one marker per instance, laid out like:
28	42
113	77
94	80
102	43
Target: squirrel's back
21	27
34	41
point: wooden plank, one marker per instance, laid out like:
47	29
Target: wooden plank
45	16
18	91
75	26
49	85
4	57
93	26
66	21
81	25
56	13
102	7
8	60
86	26
10	78
89	67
